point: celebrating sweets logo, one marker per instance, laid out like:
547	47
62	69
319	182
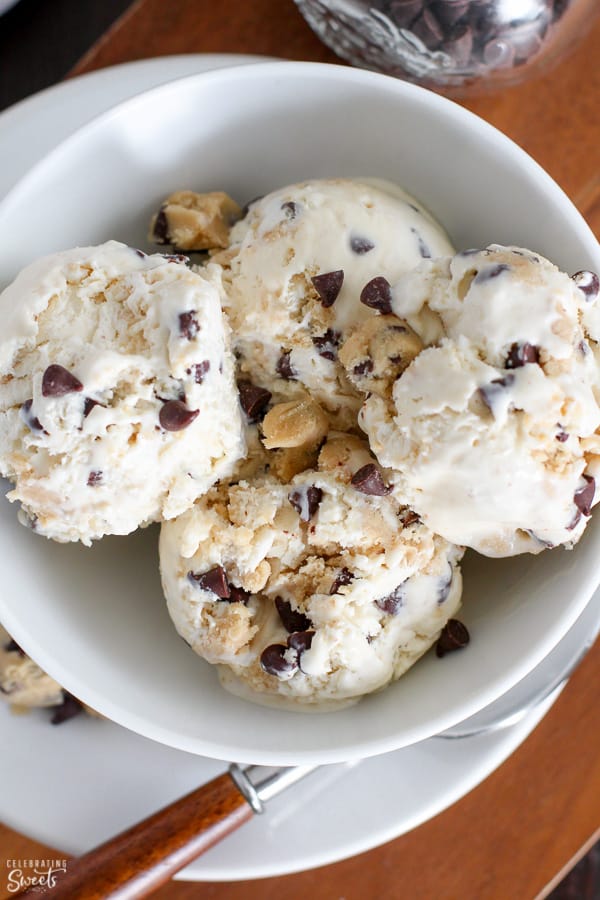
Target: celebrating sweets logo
33	873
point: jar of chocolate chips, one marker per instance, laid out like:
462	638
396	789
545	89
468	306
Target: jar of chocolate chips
459	45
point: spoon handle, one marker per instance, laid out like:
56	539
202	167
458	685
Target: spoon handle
138	861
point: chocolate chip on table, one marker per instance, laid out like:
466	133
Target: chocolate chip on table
391	603
68	709
174	415
588	283
58	381
305	501
327	344
361	245
521	354
343	577
199	370
292	619
13	647
94	478
215	580
328	285
290	209
160	231
284	366
491	272
454	636
584	496
188	324
423	248
30	420
377	294
253	399
368	480
275	660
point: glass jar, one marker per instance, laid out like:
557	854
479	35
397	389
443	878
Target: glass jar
459	45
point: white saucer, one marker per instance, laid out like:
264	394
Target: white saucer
51	779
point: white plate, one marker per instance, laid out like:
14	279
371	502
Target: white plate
48	794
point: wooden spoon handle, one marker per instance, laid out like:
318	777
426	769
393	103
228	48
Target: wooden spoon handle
138	861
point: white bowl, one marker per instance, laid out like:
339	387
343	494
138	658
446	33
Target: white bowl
95	618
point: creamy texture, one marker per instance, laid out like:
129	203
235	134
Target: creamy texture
368	583
286	334
492	429
146	417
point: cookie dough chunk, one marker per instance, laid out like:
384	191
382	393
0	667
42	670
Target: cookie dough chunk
321	589
191	221
493	429
118	405
378	352
306	265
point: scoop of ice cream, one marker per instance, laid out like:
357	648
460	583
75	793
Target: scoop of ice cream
320	589
118	405
305	265
492	428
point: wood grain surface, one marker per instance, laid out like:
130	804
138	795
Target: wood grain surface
516	834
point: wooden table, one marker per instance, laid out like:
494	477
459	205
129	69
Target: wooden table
515	836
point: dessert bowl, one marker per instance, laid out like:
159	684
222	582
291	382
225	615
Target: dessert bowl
95	618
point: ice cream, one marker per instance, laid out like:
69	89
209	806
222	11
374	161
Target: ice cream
25	686
118	405
304	266
320	589
491	428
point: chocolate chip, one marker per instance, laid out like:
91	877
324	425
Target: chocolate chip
188	324
290	209
13	647
584	497
360	245
160	231
327	344
214	580
199	370
574	522
343	577
94	478
368	480
30	420
139	253
454	636
561	436
305	501
491	272
58	381
428	29
588	283
68	709
284	366
88	405
293	619
445	585
179	257
423	248
274	662
363	368
521	354
328	285
408	517
237	595
253	399
175	416
246	207
490	393
300	642
392	602
377	294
